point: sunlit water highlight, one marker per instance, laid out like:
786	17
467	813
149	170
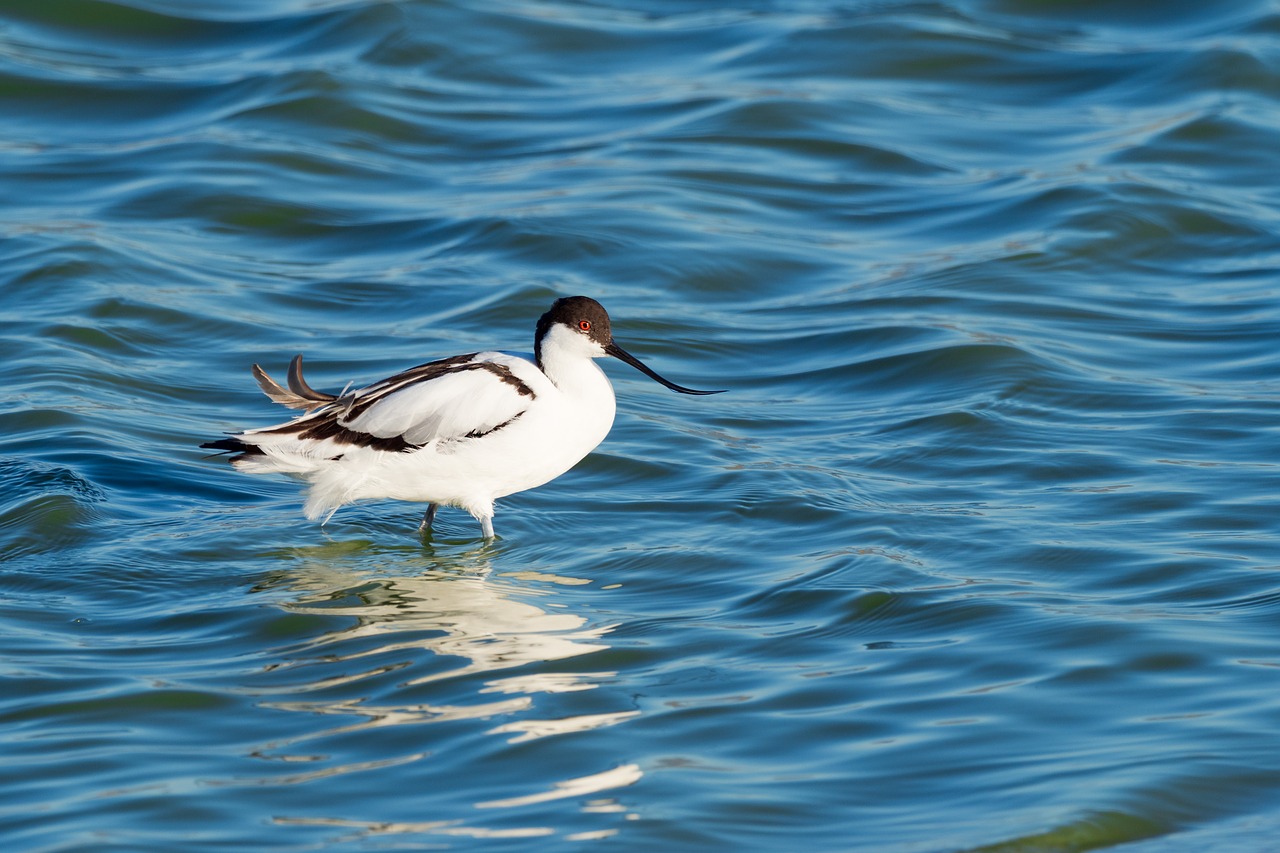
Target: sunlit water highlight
976	553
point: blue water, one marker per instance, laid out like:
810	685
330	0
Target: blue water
980	551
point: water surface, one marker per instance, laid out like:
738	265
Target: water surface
977	553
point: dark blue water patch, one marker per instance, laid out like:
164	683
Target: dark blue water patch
1171	228
121	39
144	109
1222	146
46	508
1178	18
810	133
975	552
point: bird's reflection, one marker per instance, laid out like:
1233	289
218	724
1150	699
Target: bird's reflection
474	623
453	641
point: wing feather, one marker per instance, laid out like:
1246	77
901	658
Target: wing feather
452	399
460	400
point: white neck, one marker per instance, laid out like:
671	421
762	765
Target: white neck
568	360
566	357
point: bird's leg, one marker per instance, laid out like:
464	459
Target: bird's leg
486	526
427	518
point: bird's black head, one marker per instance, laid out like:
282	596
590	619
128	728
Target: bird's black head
582	314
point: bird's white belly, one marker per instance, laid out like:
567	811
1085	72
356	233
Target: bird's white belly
545	442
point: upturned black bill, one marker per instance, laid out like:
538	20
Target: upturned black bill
622	355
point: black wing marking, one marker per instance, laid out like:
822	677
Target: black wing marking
333	417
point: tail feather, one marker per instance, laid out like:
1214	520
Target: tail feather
299	386
231	445
277	392
270	451
299	395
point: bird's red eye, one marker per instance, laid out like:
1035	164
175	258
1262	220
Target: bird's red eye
584	325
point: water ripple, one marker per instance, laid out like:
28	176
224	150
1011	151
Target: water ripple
978	552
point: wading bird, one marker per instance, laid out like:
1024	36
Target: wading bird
462	431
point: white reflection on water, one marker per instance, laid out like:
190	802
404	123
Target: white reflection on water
457	612
456	624
618	777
